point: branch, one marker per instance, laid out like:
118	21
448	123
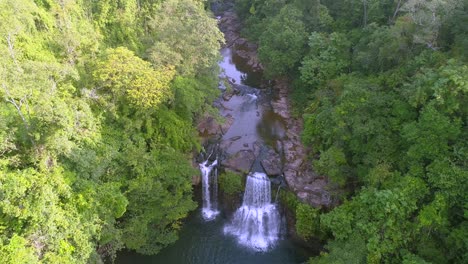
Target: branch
397	9
12	51
17	106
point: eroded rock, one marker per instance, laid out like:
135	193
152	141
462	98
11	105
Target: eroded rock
228	121
271	163
208	126
241	161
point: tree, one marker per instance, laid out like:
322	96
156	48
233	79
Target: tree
328	57
282	43
185	37
94	140
129	77
428	16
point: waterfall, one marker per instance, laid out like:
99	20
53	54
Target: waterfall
256	224
209	189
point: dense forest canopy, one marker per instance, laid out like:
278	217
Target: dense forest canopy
98	101
383	90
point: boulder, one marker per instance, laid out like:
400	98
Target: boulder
208	126
241	41
241	161
196	178
271	163
228	95
228	121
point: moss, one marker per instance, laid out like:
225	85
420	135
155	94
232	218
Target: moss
227	84
289	199
307	218
230	182
307	221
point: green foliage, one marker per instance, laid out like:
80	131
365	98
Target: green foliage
189	43
282	43
289	199
328	57
95	141
191	96
307	221
381	47
40	207
127	76
382	217
352	251
159	195
333	164
382	87
18	251
230	182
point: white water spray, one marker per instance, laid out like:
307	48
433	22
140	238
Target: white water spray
209	189
257	223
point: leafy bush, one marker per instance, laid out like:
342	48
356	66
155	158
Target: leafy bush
230	182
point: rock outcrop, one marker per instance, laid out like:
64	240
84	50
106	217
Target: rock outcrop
271	163
241	161
299	175
288	157
230	25
209	126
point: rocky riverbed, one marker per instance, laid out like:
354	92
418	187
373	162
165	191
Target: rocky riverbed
259	132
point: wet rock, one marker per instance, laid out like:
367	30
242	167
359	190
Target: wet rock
235	138
228	95
208	126
230	25
315	193
281	107
241	161
257	147
196	178
251	58
297	171
243	54
251	46
241	41
225	144
228	121
279	147
290	176
271	163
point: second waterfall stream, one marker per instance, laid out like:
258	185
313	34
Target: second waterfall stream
257	223
210	189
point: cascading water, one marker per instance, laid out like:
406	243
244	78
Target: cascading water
257	223
209	189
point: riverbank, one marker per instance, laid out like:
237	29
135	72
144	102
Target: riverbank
288	149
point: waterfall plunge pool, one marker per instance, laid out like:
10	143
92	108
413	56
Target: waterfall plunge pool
203	238
204	242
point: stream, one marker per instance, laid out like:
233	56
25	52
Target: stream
209	236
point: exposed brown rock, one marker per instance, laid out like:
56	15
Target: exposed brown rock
298	173
290	158
241	161
208	126
271	163
228	121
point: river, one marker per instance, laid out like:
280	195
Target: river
204	242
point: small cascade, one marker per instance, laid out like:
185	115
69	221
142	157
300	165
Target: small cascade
209	189
277	193
257	223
